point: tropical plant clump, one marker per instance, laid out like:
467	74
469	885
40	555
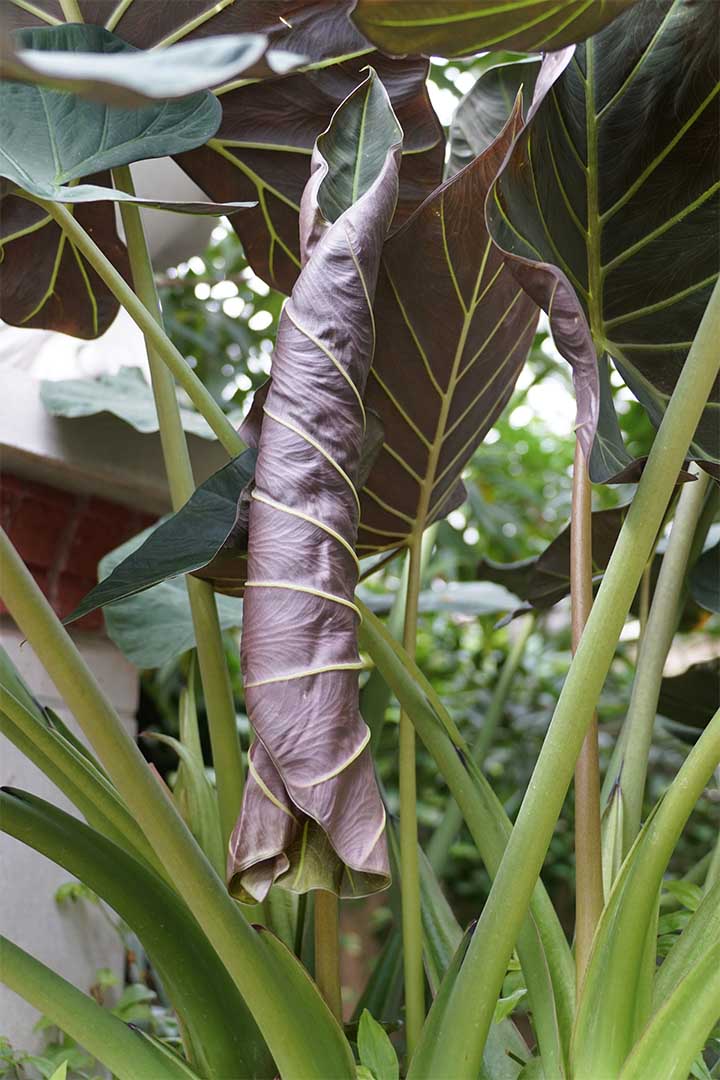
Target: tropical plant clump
578	183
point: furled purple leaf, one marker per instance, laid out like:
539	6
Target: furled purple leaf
462	27
312	814
454	328
608	203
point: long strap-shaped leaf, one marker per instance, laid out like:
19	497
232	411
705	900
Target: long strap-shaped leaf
454	328
609	200
542	946
606	1027
194	976
128	1053
311	807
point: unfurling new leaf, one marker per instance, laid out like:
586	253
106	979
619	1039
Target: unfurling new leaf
312	814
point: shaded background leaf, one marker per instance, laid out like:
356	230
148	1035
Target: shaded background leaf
126	394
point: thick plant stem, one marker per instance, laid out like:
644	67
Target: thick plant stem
409	864
71	11
713	871
262	986
460	1055
656	641
201	398
226	751
438	850
589	897
327	950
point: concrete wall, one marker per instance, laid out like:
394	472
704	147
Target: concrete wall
74	940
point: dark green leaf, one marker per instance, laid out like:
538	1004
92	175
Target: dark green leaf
483	112
196	979
92	62
609	200
376	1051
704	580
126	394
692	698
185	542
356	149
545	580
462	27
439	381
50	138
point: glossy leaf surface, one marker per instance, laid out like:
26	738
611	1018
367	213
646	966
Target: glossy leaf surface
462	27
188	540
483	112
615	185
94	63
311	776
451	343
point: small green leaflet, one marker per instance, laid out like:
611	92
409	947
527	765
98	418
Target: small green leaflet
377	1053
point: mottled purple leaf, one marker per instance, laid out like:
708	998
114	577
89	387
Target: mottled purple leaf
312	814
454	329
609	200
462	27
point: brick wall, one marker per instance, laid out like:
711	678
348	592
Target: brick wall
62	536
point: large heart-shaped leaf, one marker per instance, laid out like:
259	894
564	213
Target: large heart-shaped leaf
312	814
49	139
45	282
264	145
452	341
93	62
609	200
462	27
263	148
